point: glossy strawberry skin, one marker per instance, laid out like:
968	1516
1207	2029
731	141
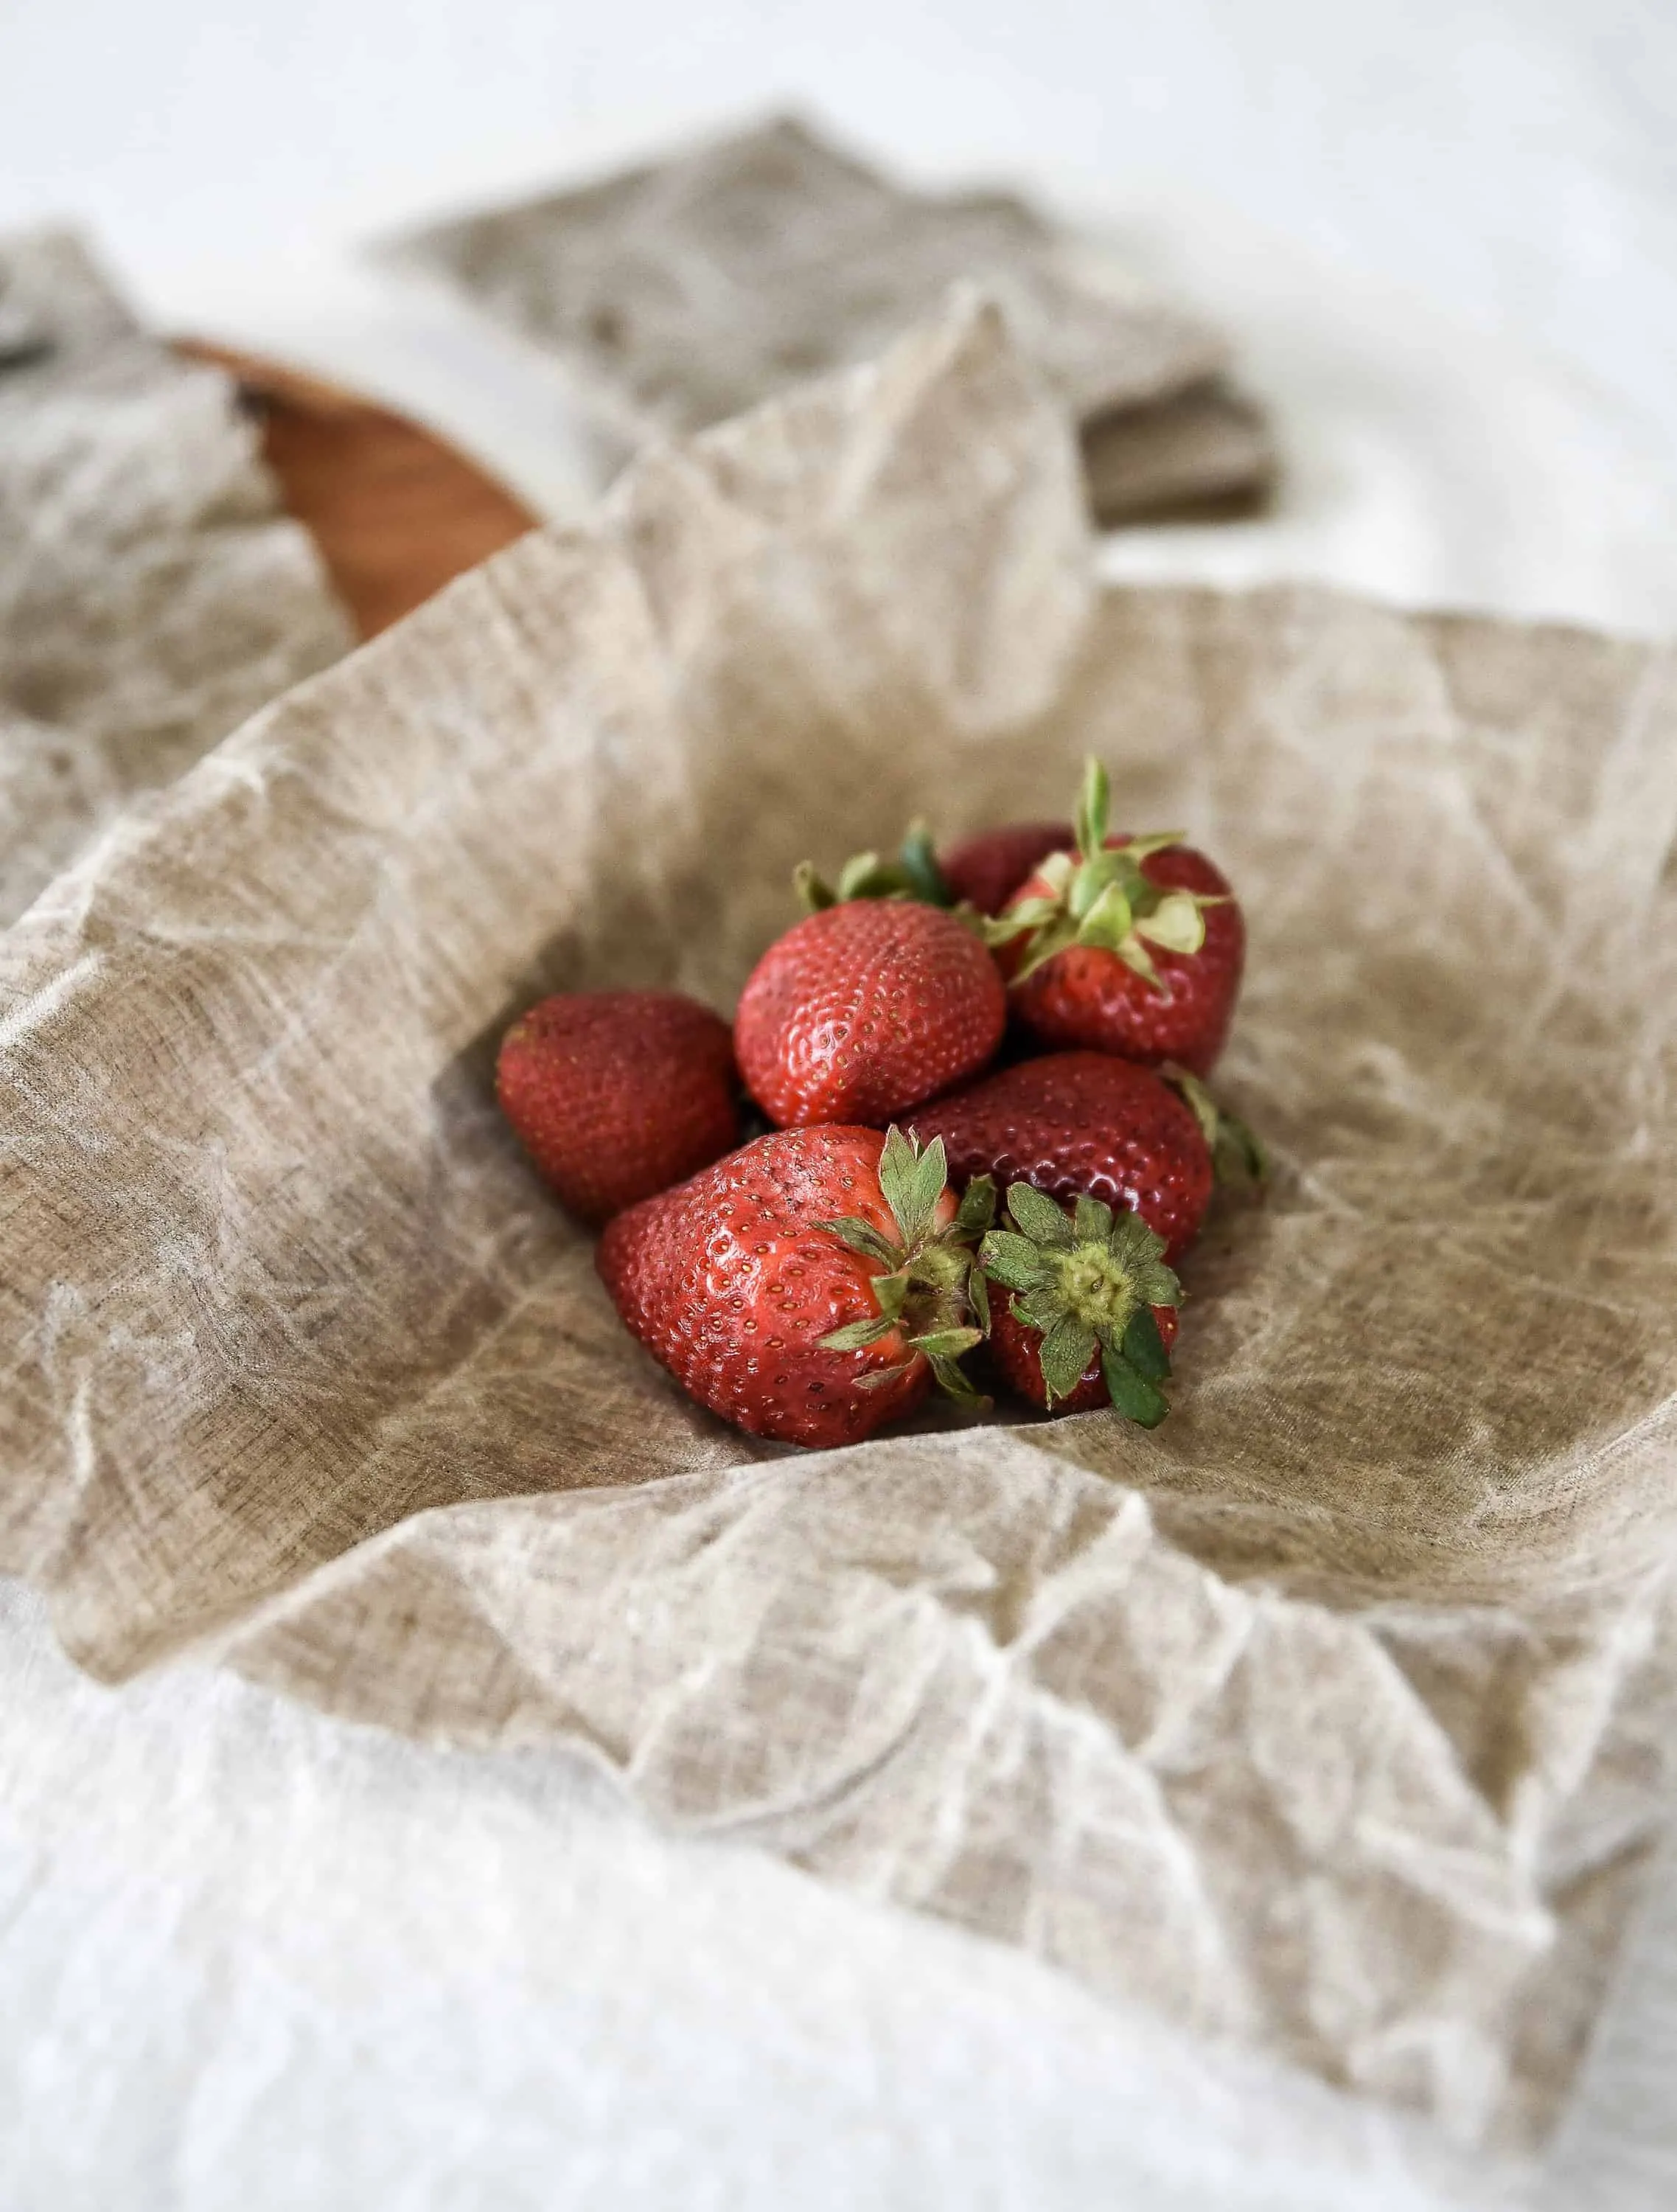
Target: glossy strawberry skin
616	1095
730	1283
1080	1124
1086	997
1014	1349
864	1009
986	871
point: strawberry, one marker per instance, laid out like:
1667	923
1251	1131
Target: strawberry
1083	1324
1081	1124
810	1287
865	1008
984	872
1132	946
616	1095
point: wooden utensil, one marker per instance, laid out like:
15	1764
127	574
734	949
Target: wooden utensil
396	511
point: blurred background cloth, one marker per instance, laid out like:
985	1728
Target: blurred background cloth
681	291
1445	248
153	594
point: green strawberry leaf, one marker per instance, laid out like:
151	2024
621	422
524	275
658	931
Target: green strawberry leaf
865	876
857	1335
1132	1393
977	1208
955	1383
978	1297
1040	1307
1157	841
919	863
1055	936
1136	957
814	891
1092	1220
1018	920
1140	1253
1038	1216
861	1237
1144	1347
931	1179
1014	1261
1109	920
1194	1095
1067	1350
877	1377
1238	1155
1089	883
897	1177
1177	923
1094	806
947	1343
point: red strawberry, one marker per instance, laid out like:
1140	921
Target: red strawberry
986	871
1134	946
1084	1324
864	1009
808	1287
616	1095
1081	1124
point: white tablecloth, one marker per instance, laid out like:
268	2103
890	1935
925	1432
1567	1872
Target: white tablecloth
249	1957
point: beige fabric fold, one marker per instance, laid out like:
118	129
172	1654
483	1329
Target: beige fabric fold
1330	1718
152	593
685	290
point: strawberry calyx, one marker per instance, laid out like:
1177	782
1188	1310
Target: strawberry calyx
1085	1281
1238	1152
929	1292
914	874
1099	896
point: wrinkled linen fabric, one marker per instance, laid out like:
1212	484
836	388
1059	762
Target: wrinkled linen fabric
683	291
1326	1720
153	594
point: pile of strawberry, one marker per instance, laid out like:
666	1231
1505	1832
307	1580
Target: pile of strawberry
816	1283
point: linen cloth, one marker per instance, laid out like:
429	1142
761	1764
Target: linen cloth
1329	1718
152	593
683	291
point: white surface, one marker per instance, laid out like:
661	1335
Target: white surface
251	1957
248	1957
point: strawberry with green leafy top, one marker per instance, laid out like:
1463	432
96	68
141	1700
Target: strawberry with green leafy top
1132	946
810	1287
1087	1318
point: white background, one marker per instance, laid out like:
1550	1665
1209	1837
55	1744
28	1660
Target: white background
249	1958
1446	232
